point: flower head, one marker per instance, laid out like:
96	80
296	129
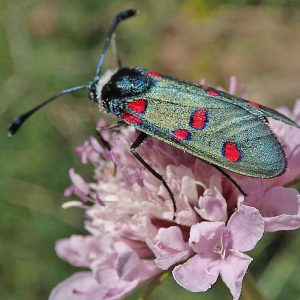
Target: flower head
132	235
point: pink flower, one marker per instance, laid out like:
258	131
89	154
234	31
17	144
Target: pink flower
116	269
131	235
220	250
169	247
79	187
279	205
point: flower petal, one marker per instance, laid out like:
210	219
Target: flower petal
196	275
78	182
169	247
282	222
172	238
280	200
115	288
246	227
213	206
280	208
80	286
233	270
78	250
204	236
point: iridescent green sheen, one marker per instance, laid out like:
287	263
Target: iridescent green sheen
170	105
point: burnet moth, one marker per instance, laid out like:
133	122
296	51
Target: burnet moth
226	131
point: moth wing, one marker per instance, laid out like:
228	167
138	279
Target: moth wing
255	108
231	137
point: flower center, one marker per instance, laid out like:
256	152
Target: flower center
222	247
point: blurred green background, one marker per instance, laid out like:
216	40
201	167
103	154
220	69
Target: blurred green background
46	46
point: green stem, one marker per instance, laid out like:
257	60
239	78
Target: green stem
155	282
250	290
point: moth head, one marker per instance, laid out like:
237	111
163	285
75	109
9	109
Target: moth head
120	85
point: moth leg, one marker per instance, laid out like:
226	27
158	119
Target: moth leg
231	179
105	144
133	149
113	126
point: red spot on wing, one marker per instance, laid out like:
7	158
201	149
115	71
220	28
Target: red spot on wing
199	119
139	106
253	104
181	135
155	74
231	152
212	92
131	118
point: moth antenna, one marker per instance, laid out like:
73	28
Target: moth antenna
121	16
115	51
19	120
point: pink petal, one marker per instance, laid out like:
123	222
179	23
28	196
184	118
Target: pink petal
80	286
101	123
99	200
213	206
205	235
78	250
196	275
244	92
172	238
280	208
68	191
189	188
169	247
128	264
131	267
78	182
95	144
280	200
233	270
246	227
164	263
114	287
232	85
282	222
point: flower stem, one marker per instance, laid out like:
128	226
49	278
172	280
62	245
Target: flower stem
250	290
155	282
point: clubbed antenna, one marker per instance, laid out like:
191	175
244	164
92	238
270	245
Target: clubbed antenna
19	120
121	16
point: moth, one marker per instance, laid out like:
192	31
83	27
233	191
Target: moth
226	131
